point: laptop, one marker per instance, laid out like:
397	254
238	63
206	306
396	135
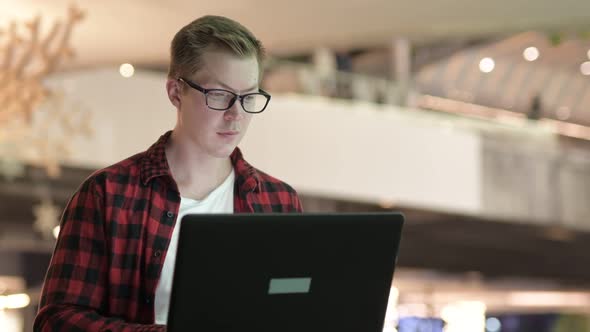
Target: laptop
284	272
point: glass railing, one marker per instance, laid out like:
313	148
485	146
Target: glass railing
293	77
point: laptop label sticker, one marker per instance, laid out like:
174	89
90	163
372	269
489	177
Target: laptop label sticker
289	285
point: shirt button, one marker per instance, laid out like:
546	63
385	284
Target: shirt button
147	300
169	214
157	253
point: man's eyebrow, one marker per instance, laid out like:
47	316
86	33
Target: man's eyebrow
255	87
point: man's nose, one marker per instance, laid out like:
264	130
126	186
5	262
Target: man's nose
235	112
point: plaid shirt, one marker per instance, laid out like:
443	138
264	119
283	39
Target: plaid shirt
114	235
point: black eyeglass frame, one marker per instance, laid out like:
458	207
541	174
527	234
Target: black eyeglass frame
233	100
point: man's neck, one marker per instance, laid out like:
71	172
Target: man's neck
196	173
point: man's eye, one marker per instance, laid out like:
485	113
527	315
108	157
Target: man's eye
217	94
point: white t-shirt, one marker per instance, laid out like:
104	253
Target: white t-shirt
220	200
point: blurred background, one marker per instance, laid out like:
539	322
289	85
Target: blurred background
470	117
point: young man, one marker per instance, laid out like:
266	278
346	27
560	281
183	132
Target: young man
112	265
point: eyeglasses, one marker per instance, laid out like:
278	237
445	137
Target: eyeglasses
222	100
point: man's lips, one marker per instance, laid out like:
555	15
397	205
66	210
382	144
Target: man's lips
228	133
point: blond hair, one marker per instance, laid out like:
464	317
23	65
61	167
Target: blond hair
210	33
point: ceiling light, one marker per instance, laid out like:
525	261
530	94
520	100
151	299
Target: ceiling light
531	53
486	65
126	70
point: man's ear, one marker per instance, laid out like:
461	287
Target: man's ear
174	91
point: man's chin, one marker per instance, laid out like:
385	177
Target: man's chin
224	152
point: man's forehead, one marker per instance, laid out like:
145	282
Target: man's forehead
233	78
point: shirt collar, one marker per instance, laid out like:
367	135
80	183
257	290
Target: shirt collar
155	164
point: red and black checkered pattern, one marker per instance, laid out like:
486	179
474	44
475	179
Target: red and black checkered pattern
114	235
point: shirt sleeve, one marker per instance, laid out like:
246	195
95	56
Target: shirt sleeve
297	206
74	295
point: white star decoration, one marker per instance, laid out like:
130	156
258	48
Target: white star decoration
46	217
11	168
